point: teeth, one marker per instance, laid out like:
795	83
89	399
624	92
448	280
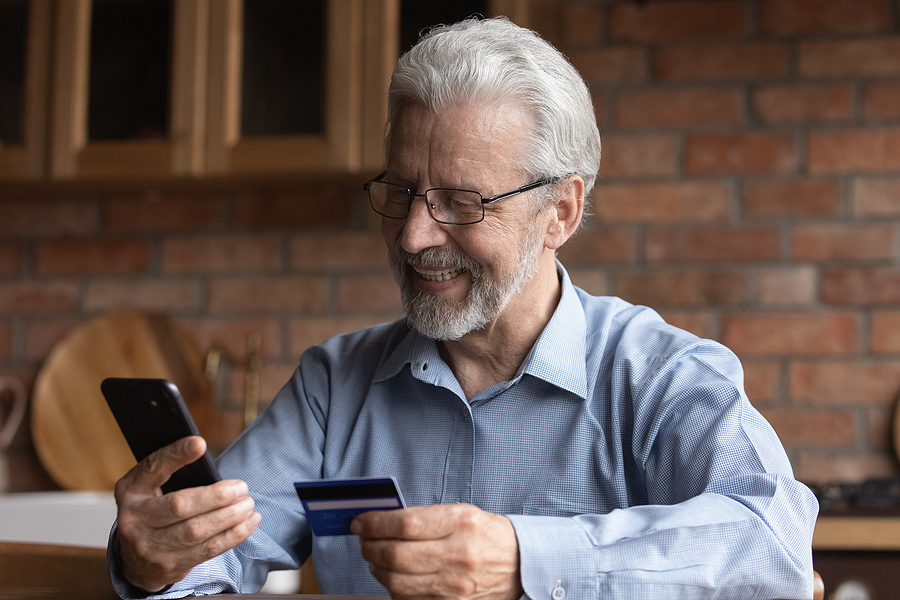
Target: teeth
442	275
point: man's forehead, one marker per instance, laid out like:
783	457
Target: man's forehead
460	132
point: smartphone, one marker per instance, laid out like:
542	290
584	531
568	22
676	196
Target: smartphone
151	414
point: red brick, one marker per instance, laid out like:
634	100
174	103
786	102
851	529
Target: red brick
344	250
233	334
268	294
161	295
839	241
583	24
804	102
720	62
798	427
762	382
854	382
682	288
655	108
813	468
881	101
876	197
724	244
41	336
640	155
6	341
884	332
600	246
11	259
678	20
797	197
311	331
698	201
849	58
600	103
847	150
158	213
37	219
784	286
749	152
36	298
800	17
698	323
592	281
92	257
369	293
790	333
611	65
327	205
874	285
228	253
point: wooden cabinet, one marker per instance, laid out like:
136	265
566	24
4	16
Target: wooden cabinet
195	128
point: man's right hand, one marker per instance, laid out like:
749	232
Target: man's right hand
162	537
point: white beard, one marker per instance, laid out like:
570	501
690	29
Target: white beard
437	318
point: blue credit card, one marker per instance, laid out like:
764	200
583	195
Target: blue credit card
332	504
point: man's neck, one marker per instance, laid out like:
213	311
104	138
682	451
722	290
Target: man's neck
494	354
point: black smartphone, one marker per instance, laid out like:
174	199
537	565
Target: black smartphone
151	414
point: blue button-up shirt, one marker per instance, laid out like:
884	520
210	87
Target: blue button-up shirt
624	451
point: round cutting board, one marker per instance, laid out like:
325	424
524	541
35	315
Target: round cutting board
76	437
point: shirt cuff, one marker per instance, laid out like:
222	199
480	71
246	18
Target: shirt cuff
557	558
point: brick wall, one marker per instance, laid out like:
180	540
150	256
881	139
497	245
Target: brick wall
749	191
295	261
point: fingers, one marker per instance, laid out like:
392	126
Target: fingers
441	551
417	523
153	562
162	537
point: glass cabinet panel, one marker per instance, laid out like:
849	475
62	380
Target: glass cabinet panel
416	16
130	56
13	29
283	87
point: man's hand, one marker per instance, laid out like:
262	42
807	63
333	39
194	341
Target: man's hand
444	551
163	537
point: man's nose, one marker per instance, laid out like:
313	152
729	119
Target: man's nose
420	230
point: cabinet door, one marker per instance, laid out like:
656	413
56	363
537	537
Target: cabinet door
24	76
298	86
129	88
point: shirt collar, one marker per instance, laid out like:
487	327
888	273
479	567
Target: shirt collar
558	356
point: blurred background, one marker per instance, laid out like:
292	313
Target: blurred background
198	164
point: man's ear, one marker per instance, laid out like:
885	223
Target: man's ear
566	212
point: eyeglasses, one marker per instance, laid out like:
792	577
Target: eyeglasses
446	205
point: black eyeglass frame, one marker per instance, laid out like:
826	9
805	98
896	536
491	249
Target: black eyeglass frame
413	196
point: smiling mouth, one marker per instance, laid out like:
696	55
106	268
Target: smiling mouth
438	274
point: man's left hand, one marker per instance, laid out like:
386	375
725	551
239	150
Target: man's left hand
442	551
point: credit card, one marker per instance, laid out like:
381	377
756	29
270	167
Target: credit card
332	504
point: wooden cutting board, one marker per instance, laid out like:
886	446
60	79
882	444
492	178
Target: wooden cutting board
75	434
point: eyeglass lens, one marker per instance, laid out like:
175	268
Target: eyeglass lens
445	205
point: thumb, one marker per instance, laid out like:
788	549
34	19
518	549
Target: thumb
157	468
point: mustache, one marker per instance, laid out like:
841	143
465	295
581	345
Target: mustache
436	257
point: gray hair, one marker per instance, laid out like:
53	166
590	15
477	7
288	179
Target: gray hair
494	60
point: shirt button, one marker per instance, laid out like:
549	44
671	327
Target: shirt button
558	592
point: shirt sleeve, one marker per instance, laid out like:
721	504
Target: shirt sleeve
725	516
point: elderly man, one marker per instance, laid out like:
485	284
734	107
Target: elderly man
549	443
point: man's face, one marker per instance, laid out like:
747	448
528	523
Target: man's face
459	278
